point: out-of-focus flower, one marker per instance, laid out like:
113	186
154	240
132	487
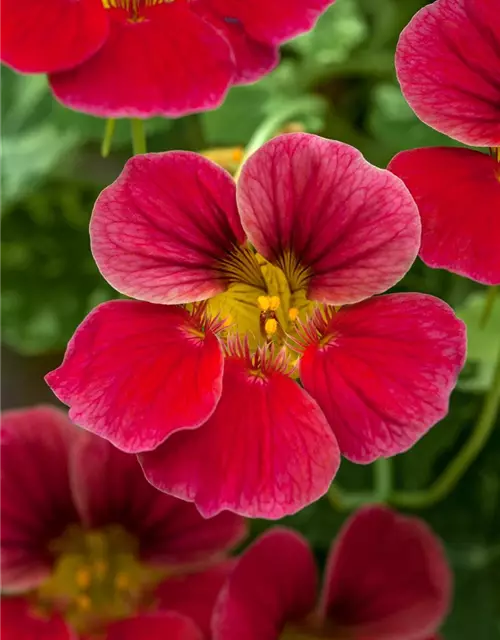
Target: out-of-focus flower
386	579
138	58
207	392
89	547
448	65
229	158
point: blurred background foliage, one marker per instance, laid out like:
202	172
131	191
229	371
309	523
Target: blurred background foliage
338	81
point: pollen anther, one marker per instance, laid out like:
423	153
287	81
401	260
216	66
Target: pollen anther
271	326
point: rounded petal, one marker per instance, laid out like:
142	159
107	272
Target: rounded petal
385	375
353	228
18	622
387	578
266	452
252	58
194	594
273	583
171	63
37	505
159	231
155	626
109	487
458	194
447	62
272	22
134	373
28	28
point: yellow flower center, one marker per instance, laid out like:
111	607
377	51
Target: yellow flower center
97	578
133	7
261	301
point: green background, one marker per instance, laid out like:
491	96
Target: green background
342	74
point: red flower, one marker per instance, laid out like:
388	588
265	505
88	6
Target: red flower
448	65
207	393
386	579
89	546
138	58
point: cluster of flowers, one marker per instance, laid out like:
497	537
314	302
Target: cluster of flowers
91	550
256	349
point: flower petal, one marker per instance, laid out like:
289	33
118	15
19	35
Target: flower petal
28	28
252	58
17	622
353	227
386	578
171	63
273	583
155	626
160	229
458	194
266	452
272	22
109	487
194	594
37	504
133	374
447	62
386	374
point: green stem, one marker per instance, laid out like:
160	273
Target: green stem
109	131
343	500
488	306
275	121
446	482
138	136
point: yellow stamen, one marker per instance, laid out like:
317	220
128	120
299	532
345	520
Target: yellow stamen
293	313
83	578
271	326
122	581
83	602
268	303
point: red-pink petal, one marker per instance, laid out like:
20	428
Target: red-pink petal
194	594
159	231
386	375
29	44
387	578
155	626
458	194
18	622
171	63
37	505
267	451
447	62
272	22
354	226
133	373
252	58
273	583
110	488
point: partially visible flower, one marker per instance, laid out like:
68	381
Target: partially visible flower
89	547
229	158
207	391
448	65
138	58
386	578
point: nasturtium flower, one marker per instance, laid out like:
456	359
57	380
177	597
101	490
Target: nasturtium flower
138	58
386	578
448	65
89	547
238	292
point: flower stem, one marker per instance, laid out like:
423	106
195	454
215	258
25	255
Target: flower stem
138	136
109	131
488	306
345	501
271	125
466	456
